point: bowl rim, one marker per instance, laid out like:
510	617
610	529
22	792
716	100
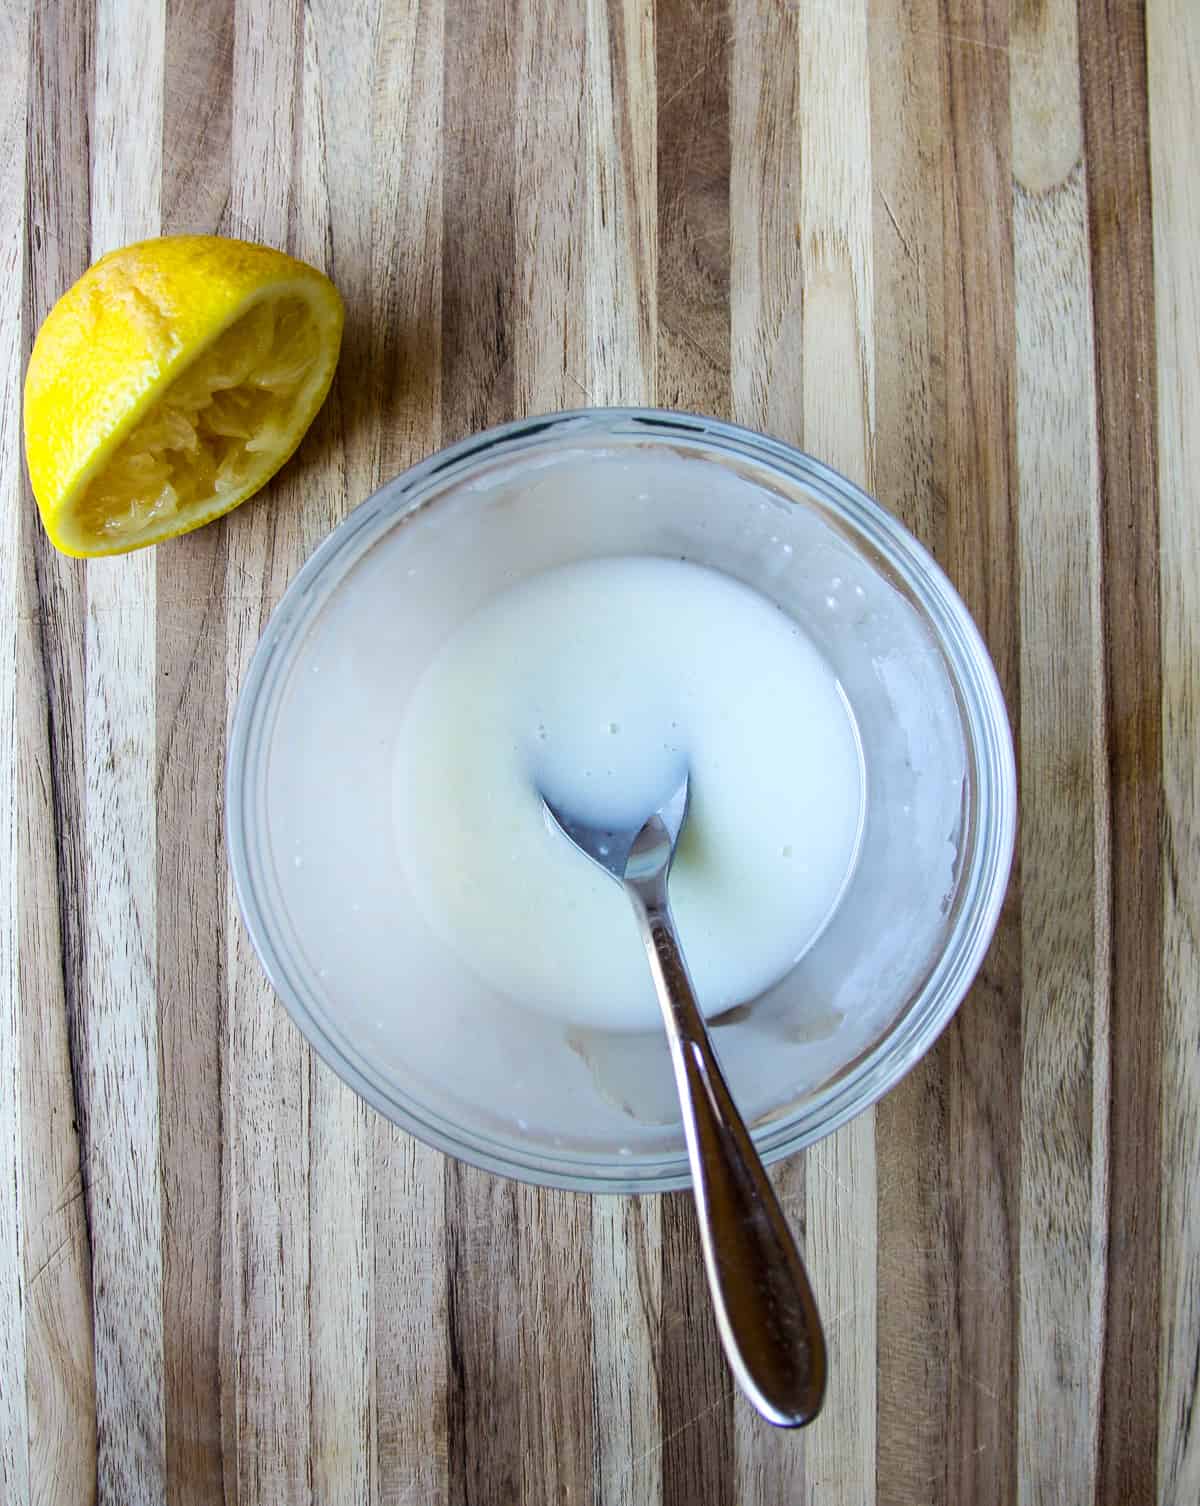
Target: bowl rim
861	1082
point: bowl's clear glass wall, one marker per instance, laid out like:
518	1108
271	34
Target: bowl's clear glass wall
310	830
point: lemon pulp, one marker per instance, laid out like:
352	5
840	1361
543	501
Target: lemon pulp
214	431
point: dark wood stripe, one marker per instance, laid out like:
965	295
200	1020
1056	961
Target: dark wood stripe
59	216
50	695
553	200
192	991
696	1391
479	254
915	1289
410	1372
385	256
555	1379
484	1323
554	193
981	1053
197	117
906	171
483	1287
774	1467
914	1271
403	373
189	783
692	60
1113	71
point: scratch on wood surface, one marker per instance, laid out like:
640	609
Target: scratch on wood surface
816	1161
67	1239
83	1189
573	378
670	1437
973	1380
904	241
934	34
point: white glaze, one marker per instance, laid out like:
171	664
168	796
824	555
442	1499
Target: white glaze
598	682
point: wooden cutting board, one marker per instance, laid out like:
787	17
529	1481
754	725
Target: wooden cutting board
948	246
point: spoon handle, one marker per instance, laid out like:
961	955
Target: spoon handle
766	1314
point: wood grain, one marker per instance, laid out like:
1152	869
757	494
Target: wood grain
767	377
947	245
834	231
915	1271
553	193
267	1396
976	472
692	123
622	147
389	397
121	921
692	70
1113	79
1064	907
1174	68
189	784
60	1371
14	1408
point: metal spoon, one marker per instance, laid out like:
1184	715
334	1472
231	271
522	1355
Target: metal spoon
765	1310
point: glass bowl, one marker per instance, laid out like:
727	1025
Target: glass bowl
393	1010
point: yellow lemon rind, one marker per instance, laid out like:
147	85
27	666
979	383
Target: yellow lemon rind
152	379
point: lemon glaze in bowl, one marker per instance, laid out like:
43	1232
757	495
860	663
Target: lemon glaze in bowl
312	847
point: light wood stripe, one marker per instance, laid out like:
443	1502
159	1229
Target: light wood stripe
551	200
834	229
1174	88
1062	998
626	1314
14	1410
914	1261
622	334
120	927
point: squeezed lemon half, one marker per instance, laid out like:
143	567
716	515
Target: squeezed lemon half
169	384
